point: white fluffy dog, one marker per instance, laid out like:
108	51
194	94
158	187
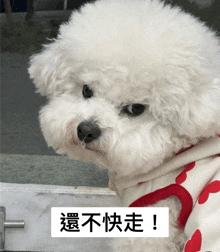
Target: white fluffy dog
130	84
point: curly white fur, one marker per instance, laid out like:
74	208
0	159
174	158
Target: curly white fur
130	52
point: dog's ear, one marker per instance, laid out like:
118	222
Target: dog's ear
42	70
49	70
197	115
188	101
204	110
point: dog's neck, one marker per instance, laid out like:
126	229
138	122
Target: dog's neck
206	148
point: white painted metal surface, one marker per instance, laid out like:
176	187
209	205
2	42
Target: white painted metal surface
33	203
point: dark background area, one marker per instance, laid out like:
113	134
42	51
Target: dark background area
45	5
209	14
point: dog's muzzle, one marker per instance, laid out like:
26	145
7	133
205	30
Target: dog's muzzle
88	131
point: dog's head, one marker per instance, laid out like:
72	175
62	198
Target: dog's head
129	83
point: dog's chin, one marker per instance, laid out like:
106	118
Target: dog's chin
87	153
89	147
94	150
84	149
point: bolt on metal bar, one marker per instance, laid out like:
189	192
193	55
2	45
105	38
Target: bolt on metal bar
14	224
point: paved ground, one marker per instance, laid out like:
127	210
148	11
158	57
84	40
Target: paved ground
26	157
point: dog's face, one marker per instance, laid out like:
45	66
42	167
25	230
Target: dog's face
89	124
111	124
126	101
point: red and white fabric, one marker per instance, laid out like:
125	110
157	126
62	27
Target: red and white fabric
194	177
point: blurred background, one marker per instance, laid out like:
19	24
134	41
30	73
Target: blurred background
25	26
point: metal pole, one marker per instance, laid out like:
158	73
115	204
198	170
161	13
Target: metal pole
65	5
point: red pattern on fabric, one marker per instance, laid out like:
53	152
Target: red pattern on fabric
164	193
183	175
194	244
213	187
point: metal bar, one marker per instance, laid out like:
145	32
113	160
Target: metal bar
14	224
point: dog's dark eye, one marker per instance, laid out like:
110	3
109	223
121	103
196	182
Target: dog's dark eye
134	109
87	92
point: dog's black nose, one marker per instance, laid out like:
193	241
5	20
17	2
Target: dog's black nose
88	131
